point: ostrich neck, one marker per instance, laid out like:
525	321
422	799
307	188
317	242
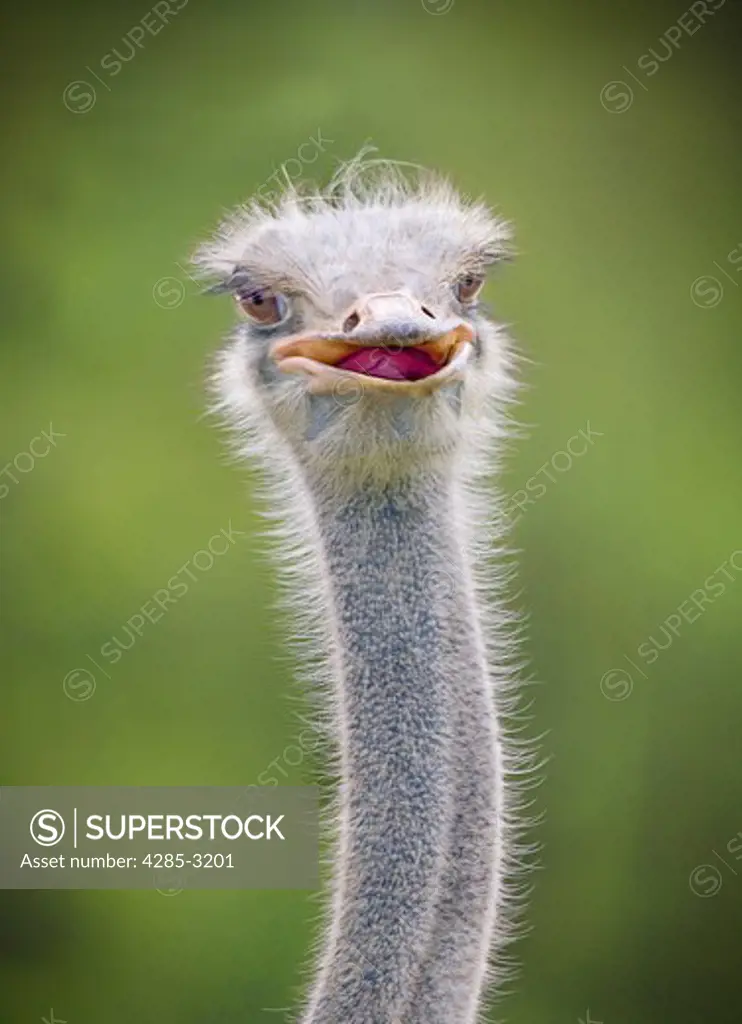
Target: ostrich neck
403	614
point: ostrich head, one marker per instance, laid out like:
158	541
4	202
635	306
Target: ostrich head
362	338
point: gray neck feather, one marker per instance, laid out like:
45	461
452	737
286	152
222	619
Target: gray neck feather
416	876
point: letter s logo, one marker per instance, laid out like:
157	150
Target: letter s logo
47	827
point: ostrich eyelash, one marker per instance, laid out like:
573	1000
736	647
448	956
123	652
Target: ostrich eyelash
238	283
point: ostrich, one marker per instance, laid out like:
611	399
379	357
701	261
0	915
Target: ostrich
367	381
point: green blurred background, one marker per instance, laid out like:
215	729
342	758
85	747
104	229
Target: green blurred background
620	207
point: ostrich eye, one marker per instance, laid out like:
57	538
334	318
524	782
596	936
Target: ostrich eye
467	288
263	306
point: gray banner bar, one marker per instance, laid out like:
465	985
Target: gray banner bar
159	837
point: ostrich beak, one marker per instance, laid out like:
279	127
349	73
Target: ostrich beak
388	344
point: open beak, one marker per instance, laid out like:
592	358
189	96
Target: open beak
376	352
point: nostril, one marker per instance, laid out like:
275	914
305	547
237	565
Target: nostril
351	322
427	312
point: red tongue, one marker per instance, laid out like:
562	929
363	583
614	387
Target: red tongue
400	364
